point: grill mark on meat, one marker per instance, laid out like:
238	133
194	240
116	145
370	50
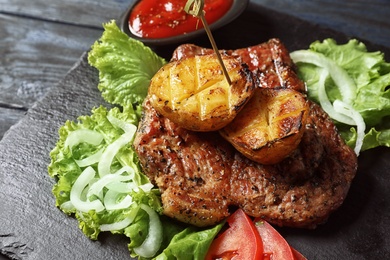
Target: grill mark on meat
270	62
201	176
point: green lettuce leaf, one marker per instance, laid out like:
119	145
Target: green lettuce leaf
179	241
191	243
371	75
64	168
125	66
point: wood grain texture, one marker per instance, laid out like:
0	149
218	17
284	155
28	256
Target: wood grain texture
89	13
368	20
41	40
36	55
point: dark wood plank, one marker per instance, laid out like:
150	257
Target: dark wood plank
368	20
86	13
40	41
36	55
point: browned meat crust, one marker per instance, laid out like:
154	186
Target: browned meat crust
269	61
201	176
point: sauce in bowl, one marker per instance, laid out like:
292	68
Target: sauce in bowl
166	18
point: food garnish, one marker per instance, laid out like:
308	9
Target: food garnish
100	182
274	245
240	240
125	66
111	193
99	179
352	86
194	93
251	239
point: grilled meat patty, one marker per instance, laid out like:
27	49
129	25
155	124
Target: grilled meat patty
202	177
270	63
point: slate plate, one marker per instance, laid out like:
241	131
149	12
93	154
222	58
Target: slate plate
31	227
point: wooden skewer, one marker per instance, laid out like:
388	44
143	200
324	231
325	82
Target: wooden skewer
197	11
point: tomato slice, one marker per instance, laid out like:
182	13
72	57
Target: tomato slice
297	254
240	241
274	245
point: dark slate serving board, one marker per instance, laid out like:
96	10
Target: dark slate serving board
31	227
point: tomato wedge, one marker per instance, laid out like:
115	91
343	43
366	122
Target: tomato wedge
240	241
297	254
274	245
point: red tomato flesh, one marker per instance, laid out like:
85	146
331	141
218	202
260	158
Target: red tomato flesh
297	254
274	245
240	241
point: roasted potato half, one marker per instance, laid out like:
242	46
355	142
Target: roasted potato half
194	93
270	126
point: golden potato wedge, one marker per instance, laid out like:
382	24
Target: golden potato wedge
194	93
270	126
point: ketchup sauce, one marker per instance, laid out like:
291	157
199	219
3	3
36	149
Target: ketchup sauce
166	18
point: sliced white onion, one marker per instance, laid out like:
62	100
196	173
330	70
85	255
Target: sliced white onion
129	170
145	187
67	206
122	187
119	123
104	166
126	187
118	184
341	111
83	136
92	159
347	110
327	105
111	200
77	189
120	224
116	225
153	240
341	78
98	186
85	194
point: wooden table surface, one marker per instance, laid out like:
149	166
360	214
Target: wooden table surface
41	40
